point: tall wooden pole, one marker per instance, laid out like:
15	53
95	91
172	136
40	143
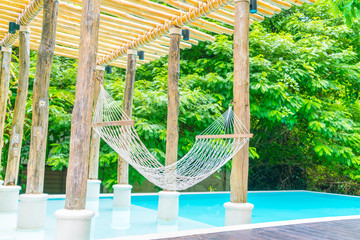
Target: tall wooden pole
95	138
168	208
172	132
16	134
123	166
40	106
4	91
76	180
240	162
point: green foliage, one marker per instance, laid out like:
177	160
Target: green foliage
350	9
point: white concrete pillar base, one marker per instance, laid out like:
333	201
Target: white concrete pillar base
93	189
238	213
9	198
32	211
168	208
73	224
120	218
122	195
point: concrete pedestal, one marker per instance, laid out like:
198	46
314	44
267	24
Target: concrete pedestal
238	213
73	224
9	198
93	189
120	218
122	195
168	208
32	211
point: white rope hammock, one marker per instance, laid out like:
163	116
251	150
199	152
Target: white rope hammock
216	145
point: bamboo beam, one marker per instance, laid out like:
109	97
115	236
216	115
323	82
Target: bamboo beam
117	9
40	106
76	180
124	26
155	33
187	6
29	13
182	6
95	138
240	162
4	91
172	132
16	134
123	166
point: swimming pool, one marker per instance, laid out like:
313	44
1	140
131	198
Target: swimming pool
205	210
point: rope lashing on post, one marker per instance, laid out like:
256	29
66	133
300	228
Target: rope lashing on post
216	145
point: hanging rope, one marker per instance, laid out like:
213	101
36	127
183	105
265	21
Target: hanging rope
212	149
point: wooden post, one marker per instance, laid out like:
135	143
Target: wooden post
240	162
4	91
77	175
123	166
172	132
40	106
16	135
95	138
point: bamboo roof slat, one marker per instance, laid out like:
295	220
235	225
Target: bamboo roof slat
137	24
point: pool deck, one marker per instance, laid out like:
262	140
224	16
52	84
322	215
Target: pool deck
335	228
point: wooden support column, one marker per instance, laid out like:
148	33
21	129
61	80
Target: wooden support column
76	180
16	135
95	138
40	106
4	91
240	162
172	132
123	166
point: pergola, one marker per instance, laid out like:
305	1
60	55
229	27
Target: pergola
130	22
110	32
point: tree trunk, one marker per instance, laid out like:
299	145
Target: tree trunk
123	166
16	135
76	180
95	138
172	132
40	106
4	92
240	162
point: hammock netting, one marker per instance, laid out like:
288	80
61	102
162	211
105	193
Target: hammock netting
207	155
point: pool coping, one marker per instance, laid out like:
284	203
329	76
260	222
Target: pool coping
104	195
230	228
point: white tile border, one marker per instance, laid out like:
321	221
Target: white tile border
53	196
231	228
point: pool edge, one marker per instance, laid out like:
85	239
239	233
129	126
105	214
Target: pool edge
230	228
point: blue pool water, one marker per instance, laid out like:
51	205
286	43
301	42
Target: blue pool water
206	210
